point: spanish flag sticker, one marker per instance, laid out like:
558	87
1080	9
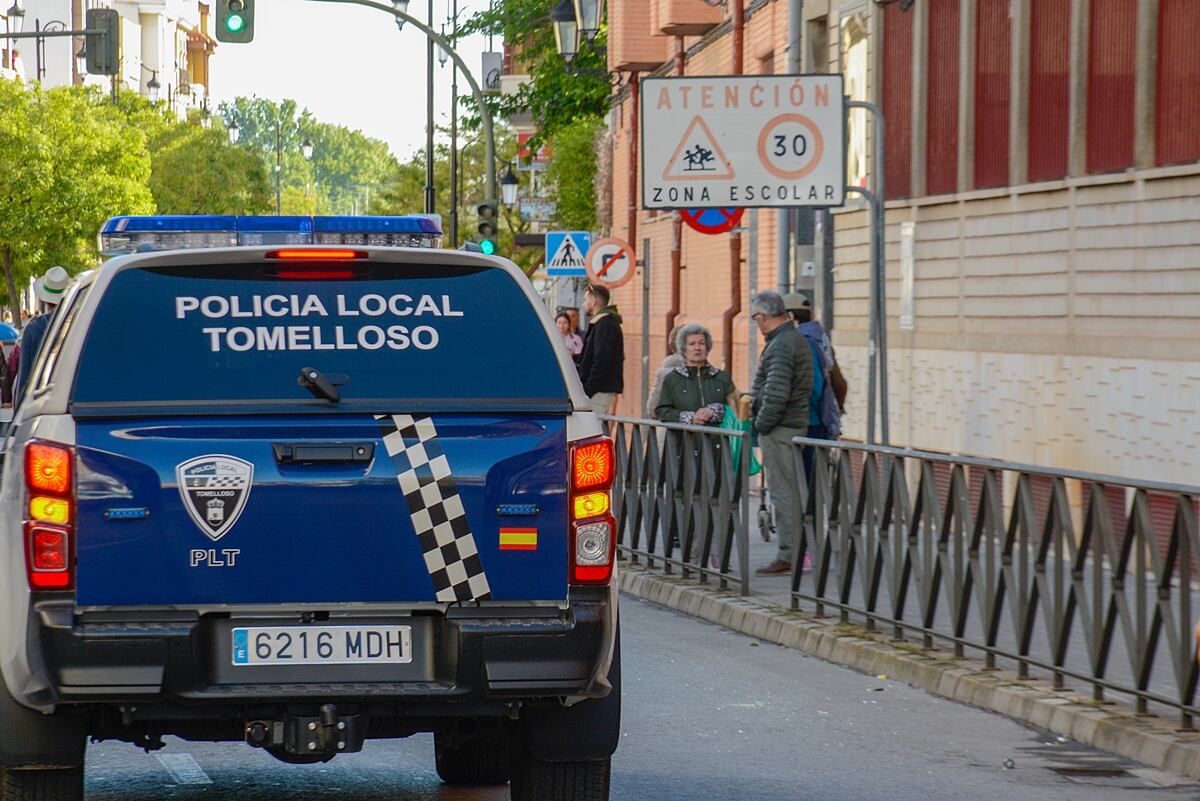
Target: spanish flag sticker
518	539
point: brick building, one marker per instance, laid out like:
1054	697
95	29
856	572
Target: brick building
1047	153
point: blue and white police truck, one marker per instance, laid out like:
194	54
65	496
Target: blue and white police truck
300	483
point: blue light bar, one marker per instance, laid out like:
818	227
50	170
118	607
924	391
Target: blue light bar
122	235
274	231
173	223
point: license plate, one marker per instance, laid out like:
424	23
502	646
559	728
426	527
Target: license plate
322	645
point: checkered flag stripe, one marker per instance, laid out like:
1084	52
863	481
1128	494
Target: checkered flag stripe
227	481
437	511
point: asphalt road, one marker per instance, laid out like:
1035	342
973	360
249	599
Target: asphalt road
708	715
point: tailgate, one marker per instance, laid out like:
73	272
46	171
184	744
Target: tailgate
322	509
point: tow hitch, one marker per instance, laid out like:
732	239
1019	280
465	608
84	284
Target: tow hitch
308	739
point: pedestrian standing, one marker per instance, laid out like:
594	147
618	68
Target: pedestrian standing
781	389
49	290
602	363
673	359
572	340
695	392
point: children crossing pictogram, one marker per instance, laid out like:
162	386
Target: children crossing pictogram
698	157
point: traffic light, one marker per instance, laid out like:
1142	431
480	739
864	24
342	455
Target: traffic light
235	21
103	48
488	211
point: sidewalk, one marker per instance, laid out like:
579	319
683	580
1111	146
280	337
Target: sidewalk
766	613
1149	739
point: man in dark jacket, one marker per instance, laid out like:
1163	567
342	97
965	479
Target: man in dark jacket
602	363
781	391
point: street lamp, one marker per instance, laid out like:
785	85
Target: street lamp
566	30
234	132
81	61
508	187
443	56
16	17
153	88
402	7
589	13
307	148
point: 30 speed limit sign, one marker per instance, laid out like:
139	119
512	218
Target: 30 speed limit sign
790	146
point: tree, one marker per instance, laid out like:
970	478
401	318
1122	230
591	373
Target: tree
344	161
557	94
67	163
405	193
193	170
572	174
197	171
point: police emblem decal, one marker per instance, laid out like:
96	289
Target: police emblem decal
214	490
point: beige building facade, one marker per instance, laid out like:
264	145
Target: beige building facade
1052	315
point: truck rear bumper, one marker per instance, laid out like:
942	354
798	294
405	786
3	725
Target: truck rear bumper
483	654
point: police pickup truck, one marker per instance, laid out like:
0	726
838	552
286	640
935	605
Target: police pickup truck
301	483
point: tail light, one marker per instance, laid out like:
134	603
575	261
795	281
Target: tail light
593	529
49	518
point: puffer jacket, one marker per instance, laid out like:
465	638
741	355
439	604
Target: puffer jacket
783	382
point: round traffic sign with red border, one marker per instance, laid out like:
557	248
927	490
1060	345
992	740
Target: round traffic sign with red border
712	221
610	262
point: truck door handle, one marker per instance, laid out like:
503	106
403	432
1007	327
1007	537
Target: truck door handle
324	452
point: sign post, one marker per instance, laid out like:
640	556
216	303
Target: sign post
743	142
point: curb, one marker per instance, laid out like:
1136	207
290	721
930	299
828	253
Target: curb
1149	739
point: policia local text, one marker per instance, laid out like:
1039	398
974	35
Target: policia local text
244	338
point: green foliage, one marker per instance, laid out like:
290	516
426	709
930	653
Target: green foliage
572	174
67	163
557	95
345	162
405	193
198	172
193	170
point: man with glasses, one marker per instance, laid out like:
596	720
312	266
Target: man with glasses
781	390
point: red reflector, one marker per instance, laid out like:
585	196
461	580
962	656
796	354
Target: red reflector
593	464
49	550
299	254
592	575
48	467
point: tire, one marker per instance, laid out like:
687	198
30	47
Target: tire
481	761
29	738
42	784
537	780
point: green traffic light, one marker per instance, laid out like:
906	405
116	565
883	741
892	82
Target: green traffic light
488	247
235	22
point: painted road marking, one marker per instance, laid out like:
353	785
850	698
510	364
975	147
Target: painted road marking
183	768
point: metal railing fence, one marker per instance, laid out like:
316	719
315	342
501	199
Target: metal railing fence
685	516
933	544
1087	577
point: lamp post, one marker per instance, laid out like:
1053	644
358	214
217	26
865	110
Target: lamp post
401	7
566	30
508	187
430	192
153	87
589	14
235	132
485	113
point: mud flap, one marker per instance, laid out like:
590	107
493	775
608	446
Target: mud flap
588	730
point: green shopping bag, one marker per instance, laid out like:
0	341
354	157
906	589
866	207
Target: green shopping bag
732	422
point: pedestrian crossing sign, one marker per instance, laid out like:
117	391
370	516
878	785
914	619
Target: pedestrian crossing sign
565	251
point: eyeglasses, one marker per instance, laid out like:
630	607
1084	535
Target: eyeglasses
756	315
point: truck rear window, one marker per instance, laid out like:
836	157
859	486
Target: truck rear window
390	335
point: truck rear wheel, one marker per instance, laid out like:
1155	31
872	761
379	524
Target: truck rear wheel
42	784
479	761
582	780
